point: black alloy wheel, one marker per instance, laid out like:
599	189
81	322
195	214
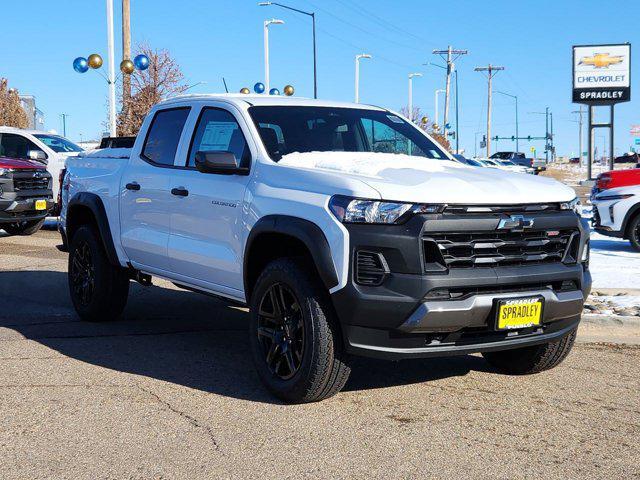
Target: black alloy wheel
281	331
82	274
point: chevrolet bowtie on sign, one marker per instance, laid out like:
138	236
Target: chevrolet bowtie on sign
601	74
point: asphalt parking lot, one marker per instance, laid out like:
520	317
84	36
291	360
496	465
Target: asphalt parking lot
170	392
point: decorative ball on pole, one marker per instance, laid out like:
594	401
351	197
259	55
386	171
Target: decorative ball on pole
288	90
274	91
245	90
95	61
141	62
80	65
127	67
258	87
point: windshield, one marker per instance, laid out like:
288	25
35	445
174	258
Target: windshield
288	129
508	163
473	162
501	155
58	144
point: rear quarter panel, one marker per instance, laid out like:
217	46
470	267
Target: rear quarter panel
101	176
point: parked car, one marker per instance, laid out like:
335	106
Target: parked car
574	160
345	229
513	167
49	149
25	195
521	159
616	200
630	157
467	161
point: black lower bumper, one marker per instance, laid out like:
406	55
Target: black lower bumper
392	345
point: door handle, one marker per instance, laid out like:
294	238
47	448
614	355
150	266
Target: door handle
180	192
132	186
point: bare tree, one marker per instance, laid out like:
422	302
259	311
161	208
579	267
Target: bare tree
421	121
11	112
161	80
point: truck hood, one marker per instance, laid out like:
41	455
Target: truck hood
423	180
20	164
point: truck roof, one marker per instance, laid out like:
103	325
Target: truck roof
264	100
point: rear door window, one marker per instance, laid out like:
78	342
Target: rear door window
164	135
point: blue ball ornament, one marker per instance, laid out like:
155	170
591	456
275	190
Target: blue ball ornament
258	87
274	91
80	65
141	62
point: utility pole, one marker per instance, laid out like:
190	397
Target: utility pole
546	143
451	56
457	124
579	112
126	55
64	123
491	71
111	79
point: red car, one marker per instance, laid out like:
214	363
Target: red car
25	195
617	178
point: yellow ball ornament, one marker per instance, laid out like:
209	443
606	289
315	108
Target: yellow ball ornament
94	60
288	90
127	67
245	90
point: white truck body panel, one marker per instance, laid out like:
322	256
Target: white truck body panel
199	240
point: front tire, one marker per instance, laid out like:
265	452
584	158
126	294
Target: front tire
634	233
294	336
98	289
26	227
535	359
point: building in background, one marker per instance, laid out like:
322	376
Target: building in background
35	116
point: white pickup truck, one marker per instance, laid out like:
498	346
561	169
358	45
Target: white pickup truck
344	228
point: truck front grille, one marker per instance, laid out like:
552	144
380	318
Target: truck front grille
492	249
30	181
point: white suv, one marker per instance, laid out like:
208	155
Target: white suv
346	230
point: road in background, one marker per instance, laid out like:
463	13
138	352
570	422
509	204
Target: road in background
170	392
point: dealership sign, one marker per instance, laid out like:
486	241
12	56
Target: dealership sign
601	74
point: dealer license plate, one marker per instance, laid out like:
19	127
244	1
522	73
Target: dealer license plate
41	204
519	313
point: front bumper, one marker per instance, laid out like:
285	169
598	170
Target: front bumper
23	209
405	315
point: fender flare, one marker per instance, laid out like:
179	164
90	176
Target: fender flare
307	232
94	203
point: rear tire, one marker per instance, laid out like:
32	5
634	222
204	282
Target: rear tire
634	232
27	227
98	289
294	335
535	359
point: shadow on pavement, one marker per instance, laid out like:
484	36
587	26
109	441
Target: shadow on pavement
176	336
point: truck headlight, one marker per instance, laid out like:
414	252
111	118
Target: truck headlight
3	171
356	210
572	205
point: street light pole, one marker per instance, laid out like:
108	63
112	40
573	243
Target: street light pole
112	74
410	106
357	79
515	97
273	21
313	21
435	117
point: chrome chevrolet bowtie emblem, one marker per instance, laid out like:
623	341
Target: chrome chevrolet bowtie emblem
37	175
516	223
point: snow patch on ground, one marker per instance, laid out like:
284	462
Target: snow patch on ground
366	163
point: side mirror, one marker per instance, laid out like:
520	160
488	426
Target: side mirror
222	163
38	155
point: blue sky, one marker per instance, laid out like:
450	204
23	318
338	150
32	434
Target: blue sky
215	38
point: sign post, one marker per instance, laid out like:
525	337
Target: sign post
601	76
